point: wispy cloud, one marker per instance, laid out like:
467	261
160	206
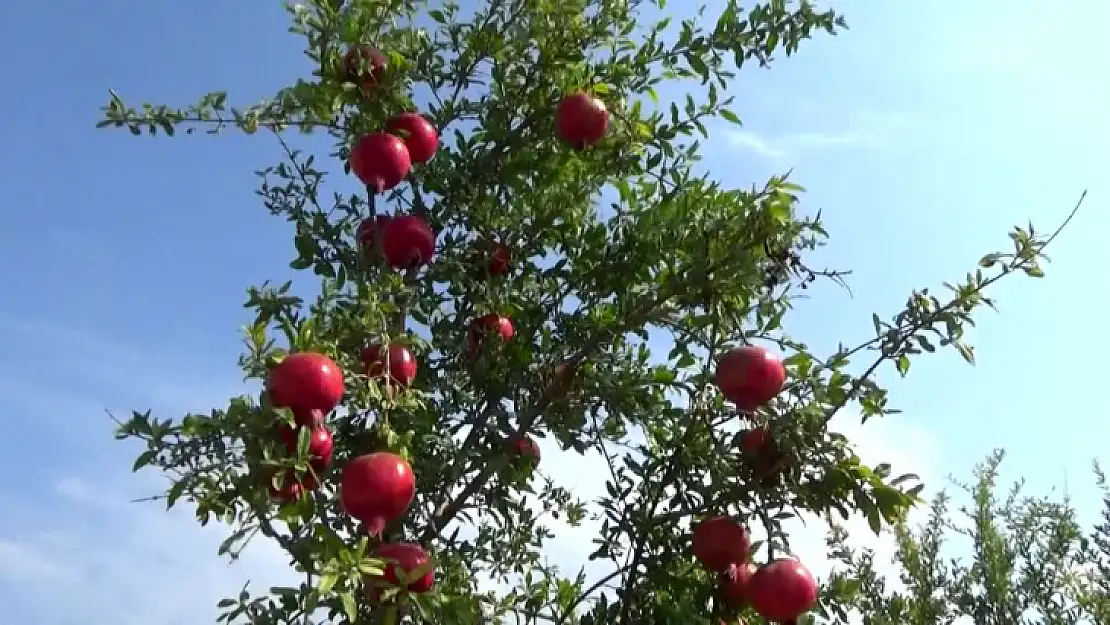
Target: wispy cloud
871	129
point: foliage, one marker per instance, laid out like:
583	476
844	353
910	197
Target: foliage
1029	562
614	245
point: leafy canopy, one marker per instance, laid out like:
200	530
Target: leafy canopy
631	267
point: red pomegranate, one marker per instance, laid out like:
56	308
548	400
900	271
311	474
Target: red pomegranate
525	447
400	362
419	135
306	383
734	584
321	445
494	324
750	376
380	160
408	241
755	441
365	66
370	229
403	560
376	489
782	590
581	120
720	542
500	259
290	490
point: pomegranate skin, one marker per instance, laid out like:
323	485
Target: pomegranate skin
782	590
380	160
306	383
581	120
376	489
419	135
404	559
408	241
719	543
402	364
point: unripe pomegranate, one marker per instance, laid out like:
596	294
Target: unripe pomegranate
581	120
376	489
750	376
408	241
400	362
782	590
380	160
419	135
719	542
305	382
365	66
491	324
402	561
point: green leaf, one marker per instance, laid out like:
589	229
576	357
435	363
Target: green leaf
350	605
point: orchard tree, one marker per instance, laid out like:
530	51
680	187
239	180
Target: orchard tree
529	228
1003	558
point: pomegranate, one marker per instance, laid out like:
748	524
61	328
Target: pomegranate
365	66
408	241
562	379
376	489
370	229
399	360
500	258
720	542
581	120
419	135
734	584
321	445
750	376
380	160
756	441
782	590
525	447
402	562
290	490
495	324
306	383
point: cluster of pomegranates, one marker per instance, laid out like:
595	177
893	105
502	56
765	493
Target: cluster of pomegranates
377	488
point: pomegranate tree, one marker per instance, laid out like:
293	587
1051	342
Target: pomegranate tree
530	211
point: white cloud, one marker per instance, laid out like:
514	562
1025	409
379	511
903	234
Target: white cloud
862	130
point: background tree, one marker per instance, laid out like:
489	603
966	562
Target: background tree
559	270
1004	558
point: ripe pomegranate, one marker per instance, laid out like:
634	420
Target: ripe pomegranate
754	442
376	489
306	382
370	229
720	542
525	447
380	160
750	376
399	360
419	135
500	258
495	324
581	120
734	584
408	241
365	66
290	490
321	445
782	590
402	561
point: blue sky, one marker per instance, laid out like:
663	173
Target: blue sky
924	134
